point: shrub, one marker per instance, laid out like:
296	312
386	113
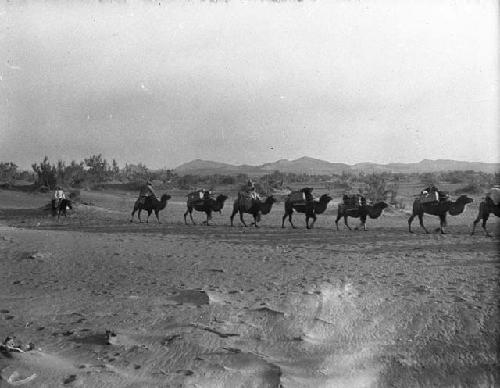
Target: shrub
471	188
8	172
46	174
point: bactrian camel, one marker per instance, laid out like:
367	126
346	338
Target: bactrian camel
440	209
309	208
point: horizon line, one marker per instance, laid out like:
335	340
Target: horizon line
251	165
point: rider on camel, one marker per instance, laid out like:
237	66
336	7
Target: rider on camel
58	197
146	192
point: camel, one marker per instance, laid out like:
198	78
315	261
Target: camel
256	210
207	205
150	204
439	209
486	207
309	208
61	207
361	212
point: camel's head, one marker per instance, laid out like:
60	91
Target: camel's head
464	199
377	210
165	197
271	199
221	198
325	198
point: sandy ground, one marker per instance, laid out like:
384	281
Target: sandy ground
198	306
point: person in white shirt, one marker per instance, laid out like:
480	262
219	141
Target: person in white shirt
58	197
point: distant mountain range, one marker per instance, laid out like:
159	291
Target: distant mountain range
319	167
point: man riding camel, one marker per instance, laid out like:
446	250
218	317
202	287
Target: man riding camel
250	190
146	192
58	197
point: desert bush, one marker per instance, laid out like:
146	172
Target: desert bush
376	187
471	188
98	169
8	173
46	174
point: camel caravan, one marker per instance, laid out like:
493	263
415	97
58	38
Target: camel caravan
429	201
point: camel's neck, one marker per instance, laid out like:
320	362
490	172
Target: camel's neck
458	206
218	205
374	211
265	207
320	207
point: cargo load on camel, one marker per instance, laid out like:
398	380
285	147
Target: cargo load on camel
353	201
199	196
303	195
434	196
246	199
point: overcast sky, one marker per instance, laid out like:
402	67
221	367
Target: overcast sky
248	82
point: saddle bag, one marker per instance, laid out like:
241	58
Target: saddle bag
297	196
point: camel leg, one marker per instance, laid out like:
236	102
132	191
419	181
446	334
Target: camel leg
132	215
157	214
209	217
189	211
314	221
485	218
442	224
483	224
147	219
421	219
474	223
231	217
337	221
255	221
362	223
345	222
283	220
139	215
289	215
410	220
242	220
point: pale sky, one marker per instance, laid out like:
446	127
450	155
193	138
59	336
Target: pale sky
249	82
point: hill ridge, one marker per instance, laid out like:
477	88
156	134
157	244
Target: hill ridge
314	166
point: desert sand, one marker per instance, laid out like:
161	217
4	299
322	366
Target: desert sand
198	306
